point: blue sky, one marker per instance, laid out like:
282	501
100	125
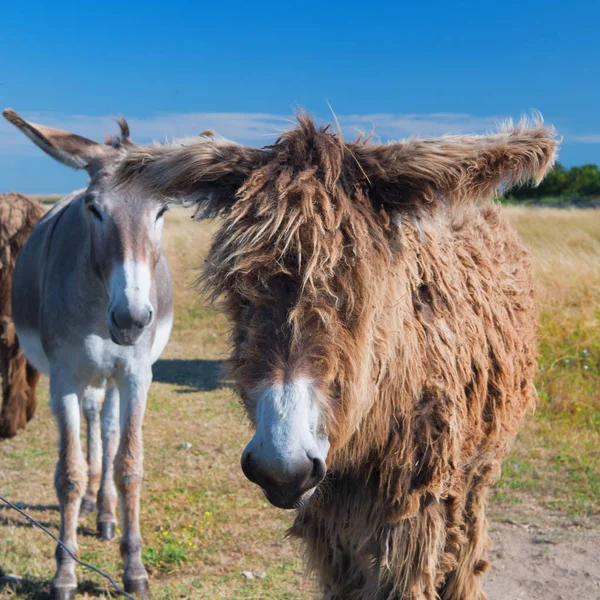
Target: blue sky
398	68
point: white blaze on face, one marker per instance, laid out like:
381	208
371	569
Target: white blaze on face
130	284
289	428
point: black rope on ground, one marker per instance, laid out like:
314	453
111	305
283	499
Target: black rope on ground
80	562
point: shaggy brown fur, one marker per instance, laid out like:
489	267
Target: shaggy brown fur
18	216
371	270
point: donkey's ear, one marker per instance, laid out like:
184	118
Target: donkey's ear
457	168
208	172
70	149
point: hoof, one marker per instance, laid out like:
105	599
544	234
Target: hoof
7	432
62	593
87	507
107	530
138	587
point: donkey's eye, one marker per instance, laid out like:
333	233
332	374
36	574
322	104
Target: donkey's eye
161	212
95	212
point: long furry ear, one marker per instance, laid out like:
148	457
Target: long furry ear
206	171
457	168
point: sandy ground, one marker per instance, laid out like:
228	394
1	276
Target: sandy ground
538	555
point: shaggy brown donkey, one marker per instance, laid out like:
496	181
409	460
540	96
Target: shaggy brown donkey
383	337
18	216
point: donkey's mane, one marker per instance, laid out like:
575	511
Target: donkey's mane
124	139
301	212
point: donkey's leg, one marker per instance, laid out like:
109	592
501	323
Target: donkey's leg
92	403
107	497
133	389
33	378
464	583
14	397
70	481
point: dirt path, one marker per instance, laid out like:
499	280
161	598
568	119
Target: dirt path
538	555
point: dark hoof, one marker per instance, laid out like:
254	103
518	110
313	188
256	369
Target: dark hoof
138	587
62	593
7	432
87	507
106	530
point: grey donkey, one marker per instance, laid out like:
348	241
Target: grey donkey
93	309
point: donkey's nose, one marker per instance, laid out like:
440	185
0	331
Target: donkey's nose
128	319
284	488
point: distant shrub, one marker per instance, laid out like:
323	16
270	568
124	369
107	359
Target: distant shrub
561	186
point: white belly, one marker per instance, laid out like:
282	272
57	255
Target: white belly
31	345
161	337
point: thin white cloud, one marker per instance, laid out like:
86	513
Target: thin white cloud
252	128
590	138
386	126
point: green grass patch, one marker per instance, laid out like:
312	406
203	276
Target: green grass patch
556	460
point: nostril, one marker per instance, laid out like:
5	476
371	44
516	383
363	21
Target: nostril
126	320
143	319
113	318
318	470
247	467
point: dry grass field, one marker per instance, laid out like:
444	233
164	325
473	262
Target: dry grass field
204	524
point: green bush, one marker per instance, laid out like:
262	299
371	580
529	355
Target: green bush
561	186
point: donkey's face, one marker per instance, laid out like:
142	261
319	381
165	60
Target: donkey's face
305	245
124	230
125	245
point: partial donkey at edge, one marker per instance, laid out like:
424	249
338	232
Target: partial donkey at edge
18	216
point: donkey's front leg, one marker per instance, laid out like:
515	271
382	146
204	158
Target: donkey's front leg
133	388
91	403
107	497
70	481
